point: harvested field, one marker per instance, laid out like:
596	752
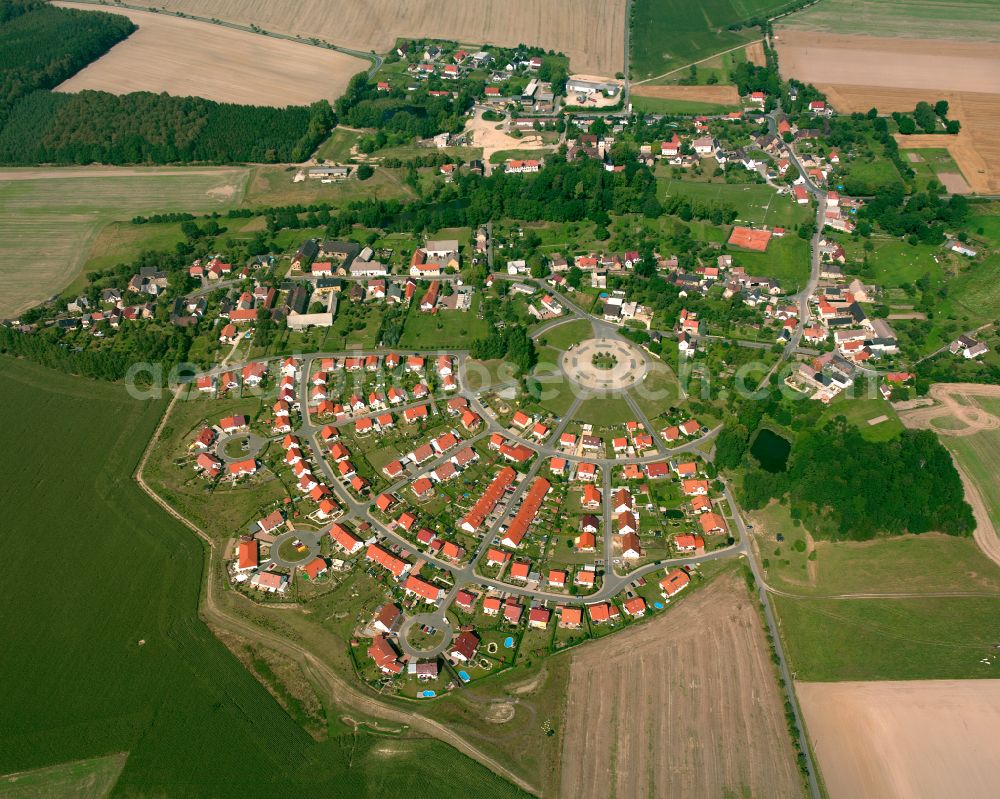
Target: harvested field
942	64
590	32
927	738
723	95
970	148
954	183
52	216
188	57
685	705
755	54
907	71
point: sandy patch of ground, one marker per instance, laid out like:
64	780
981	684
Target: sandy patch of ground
492	137
723	95
188	57
755	54
930	64
685	705
914	158
590	32
953	182
935	739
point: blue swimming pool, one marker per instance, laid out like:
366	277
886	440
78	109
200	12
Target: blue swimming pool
508	642
658	605
464	675
427	694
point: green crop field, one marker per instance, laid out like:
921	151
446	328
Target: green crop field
104	644
49	223
668	34
924	19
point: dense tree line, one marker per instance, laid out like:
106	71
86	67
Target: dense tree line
142	127
41	46
925	216
852	488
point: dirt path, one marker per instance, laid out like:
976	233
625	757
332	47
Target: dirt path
336	689
975	420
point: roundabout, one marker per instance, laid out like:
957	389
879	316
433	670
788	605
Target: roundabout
605	364
239	446
415	642
284	551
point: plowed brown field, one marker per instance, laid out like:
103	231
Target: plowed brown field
896	740
723	95
685	705
590	32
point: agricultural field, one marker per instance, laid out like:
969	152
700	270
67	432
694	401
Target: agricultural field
936	163
53	216
568	26
686	699
667	105
189	57
273	185
970	20
666	36
892	74
871	738
718	96
127	670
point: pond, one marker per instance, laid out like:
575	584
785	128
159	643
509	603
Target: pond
771	450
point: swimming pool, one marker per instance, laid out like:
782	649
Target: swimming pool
508	642
658	605
464	675
427	694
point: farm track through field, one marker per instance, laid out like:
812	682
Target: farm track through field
336	689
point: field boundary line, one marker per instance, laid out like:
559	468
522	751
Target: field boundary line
338	688
693	63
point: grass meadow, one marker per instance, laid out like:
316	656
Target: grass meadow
50	222
104	642
977	20
666	34
665	105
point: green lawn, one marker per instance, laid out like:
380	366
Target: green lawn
664	105
667	34
787	260
523	155
896	262
125	664
754	203
49	223
444	329
562	337
860	411
604	412
874	175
